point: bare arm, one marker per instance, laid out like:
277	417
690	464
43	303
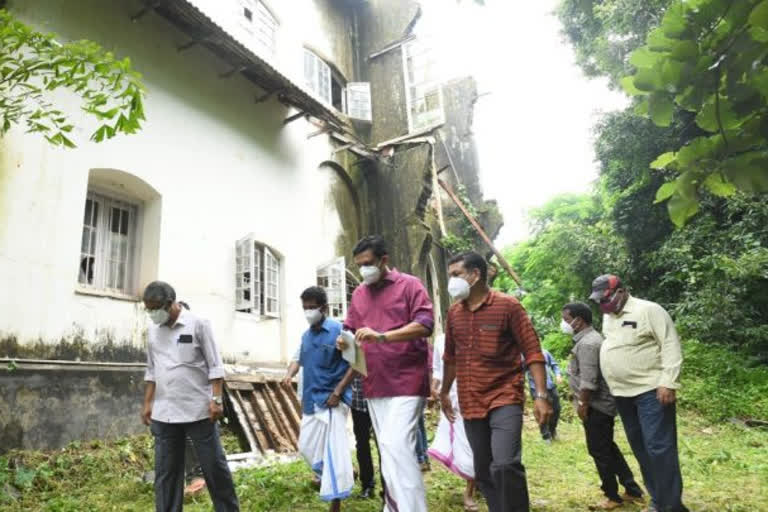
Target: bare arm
449	375
149	397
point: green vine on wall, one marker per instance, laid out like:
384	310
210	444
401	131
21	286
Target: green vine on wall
464	240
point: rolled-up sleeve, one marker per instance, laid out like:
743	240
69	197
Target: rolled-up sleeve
352	321
149	373
671	354
589	366
524	333
421	307
210	350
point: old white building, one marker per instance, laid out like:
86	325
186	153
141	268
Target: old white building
217	194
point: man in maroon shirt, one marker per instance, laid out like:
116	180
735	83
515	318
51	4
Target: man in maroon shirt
486	331
391	316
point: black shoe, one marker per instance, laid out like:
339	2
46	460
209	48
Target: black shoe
366	493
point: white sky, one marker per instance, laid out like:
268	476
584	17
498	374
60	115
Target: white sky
534	128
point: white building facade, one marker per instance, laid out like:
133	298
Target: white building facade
217	194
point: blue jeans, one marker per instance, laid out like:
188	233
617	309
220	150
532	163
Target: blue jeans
651	430
421	441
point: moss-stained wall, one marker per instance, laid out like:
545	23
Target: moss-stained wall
46	406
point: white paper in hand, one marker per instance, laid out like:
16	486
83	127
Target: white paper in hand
354	354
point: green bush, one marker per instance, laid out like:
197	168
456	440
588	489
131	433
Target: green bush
720	382
558	344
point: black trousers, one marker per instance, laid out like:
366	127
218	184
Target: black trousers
609	461
497	452
170	441
363	429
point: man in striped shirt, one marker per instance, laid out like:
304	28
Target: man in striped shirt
486	332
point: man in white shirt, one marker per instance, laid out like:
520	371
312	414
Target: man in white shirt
183	398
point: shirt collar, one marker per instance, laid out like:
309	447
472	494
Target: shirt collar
182	318
391	276
326	325
487	301
629	306
577	337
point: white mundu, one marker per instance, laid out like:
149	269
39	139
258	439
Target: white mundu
450	445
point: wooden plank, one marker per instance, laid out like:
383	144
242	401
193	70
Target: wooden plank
280	443
242	418
481	232
252	379
241	386
257	423
282	414
294	117
288	407
292	396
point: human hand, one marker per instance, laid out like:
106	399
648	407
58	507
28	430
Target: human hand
215	411
333	400
542	411
366	334
341	344
665	396
146	414
447	407
583	411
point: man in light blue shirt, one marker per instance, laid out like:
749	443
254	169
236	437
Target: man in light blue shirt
548	430
325	401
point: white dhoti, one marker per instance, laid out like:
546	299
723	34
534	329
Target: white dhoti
395	421
324	444
450	445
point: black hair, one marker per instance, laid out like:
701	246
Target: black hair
159	291
373	242
579	310
471	261
184	305
316	294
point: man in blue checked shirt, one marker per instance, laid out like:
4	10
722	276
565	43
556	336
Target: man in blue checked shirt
548	430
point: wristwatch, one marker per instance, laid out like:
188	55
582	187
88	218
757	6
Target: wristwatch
541	396
217	399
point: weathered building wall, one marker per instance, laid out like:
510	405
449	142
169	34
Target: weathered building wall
45	406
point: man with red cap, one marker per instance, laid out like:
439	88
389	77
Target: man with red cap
640	360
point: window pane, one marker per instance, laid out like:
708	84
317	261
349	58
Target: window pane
88	208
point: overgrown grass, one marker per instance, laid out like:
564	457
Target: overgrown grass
724	467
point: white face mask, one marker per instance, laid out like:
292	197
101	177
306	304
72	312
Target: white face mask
566	328
159	316
313	316
458	288
370	273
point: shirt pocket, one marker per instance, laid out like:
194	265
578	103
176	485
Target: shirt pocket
489	340
187	351
326	356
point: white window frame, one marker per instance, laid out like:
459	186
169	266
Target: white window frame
358	101
271	284
257	279
332	277
99	246
430	118
319	75
262	25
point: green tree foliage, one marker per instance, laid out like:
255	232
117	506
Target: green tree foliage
572	242
605	32
711	274
708	57
34	67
